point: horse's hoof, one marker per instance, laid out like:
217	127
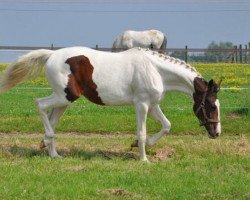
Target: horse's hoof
135	144
42	144
145	160
56	156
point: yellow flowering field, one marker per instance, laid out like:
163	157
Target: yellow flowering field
233	75
2	67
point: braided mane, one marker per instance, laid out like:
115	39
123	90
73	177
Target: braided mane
172	60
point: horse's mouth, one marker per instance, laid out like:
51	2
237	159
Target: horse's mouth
213	136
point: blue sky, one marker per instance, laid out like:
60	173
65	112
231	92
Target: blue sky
89	22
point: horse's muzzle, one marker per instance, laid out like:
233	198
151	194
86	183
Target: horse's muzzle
213	136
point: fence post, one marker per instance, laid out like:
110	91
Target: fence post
240	53
186	54
235	54
245	53
248	53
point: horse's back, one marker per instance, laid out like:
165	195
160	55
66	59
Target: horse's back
145	39
110	74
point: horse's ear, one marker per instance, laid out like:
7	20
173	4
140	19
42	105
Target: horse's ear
211	83
214	86
219	83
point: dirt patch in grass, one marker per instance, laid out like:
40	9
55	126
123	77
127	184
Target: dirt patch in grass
163	154
118	154
77	168
118	193
233	115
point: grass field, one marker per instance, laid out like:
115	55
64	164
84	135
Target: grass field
104	167
95	143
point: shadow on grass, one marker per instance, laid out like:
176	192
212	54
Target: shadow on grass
29	152
105	154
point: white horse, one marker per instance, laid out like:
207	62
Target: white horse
136	77
152	39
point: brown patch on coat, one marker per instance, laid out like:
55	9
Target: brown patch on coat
80	80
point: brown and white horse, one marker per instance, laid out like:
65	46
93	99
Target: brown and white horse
152	39
138	77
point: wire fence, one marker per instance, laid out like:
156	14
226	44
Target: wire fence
238	54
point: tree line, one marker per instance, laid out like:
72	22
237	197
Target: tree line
217	52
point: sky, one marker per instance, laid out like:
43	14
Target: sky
65	23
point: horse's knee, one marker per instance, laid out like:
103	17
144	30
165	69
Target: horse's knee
40	105
142	138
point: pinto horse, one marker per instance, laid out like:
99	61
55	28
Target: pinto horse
139	77
152	39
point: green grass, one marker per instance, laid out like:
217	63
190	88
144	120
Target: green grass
184	165
187	167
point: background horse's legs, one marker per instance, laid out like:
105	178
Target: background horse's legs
141	116
157	114
59	104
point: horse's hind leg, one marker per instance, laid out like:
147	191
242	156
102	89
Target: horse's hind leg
58	105
55	114
157	114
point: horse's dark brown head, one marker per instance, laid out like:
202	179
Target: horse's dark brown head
206	105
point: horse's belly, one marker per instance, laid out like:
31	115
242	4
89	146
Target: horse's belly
114	91
110	97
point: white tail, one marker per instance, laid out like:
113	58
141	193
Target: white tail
26	67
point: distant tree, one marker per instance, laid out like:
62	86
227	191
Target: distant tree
178	54
218	55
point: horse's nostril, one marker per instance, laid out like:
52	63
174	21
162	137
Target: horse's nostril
217	134
213	136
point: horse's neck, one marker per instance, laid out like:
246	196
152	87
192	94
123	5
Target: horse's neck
180	83
177	75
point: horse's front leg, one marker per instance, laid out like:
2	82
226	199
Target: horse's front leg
141	116
157	114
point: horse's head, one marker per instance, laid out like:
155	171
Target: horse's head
206	105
